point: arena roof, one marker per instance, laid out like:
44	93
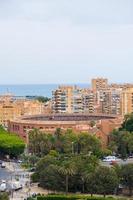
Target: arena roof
69	117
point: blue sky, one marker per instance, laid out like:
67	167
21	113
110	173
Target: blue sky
65	41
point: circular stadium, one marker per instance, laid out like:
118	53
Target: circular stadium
49	123
68	117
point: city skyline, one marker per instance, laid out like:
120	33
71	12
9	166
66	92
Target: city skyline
63	41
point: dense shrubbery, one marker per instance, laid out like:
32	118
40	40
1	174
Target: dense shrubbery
10	144
4	196
72	197
68	142
77	173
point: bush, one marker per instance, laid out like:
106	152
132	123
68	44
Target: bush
4	196
63	197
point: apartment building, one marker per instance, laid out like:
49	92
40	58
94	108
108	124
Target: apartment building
127	101
11	108
89	102
99	83
73	100
8	109
109	101
108	96
62	99
67	99
116	99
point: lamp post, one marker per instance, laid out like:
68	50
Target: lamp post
72	147
27	140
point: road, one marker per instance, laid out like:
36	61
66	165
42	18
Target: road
13	171
5	174
119	161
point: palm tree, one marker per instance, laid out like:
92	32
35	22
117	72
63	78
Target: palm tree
86	165
67	169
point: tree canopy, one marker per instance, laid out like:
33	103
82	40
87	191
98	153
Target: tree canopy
10	143
121	140
42	99
67	142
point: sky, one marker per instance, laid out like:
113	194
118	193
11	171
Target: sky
65	41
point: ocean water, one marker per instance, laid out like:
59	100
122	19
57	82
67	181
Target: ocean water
33	90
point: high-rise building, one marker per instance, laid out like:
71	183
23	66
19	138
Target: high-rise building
89	102
99	83
103	98
73	100
127	101
109	101
62	99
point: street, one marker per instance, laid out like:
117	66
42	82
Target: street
118	161
13	172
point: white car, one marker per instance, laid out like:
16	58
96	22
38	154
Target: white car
19	161
109	159
3	186
3	165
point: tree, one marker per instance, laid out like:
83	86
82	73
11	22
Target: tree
4	196
39	143
68	142
65	172
67	169
86	165
87	144
33	159
10	143
50	179
128	123
127	177
104	181
121	142
58	133
42	99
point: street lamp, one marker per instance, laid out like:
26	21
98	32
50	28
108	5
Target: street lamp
27	140
72	147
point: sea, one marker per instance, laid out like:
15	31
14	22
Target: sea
33	89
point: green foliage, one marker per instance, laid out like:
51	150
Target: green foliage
72	197
127	176
128	123
65	172
103	181
10	144
121	142
67	142
4	196
42	99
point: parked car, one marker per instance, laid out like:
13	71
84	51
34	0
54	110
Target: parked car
130	156
3	186
109	159
19	161
3	165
